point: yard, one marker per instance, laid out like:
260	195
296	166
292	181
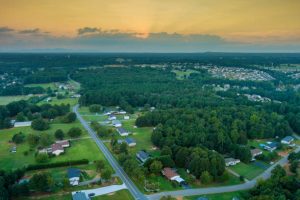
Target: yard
181	75
122	194
251	170
8	99
80	149
221	196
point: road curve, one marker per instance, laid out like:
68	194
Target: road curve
214	190
115	165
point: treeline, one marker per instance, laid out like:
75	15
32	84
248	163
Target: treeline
23	111
224	129
46	76
20	90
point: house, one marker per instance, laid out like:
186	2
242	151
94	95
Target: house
80	196
130	142
13	149
270	146
74	176
57	149
255	152
231	161
142	156
122	131
112	117
63	143
126	117
116	123
171	175
287	140
22	124
122	112
48	99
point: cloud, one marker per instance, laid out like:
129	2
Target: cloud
85	30
6	29
30	31
92	39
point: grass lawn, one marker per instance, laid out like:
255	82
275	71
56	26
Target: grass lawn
249	171
52	197
71	101
122	194
7	99
221	196
83	148
98	118
181	75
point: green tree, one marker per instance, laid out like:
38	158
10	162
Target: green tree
205	177
100	165
59	134
32	140
95	108
70	117
106	174
41	182
18	138
74	132
155	167
45	140
39	124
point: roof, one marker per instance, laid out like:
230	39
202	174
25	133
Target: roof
56	147
202	198
227	160
143	155
169	173
62	142
129	140
255	151
121	130
73	172
79	196
272	145
288	138
116	122
28	123
111	115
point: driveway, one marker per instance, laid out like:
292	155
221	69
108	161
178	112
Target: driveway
105	190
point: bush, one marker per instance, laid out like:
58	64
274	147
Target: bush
94	108
69	118
74	132
39	124
58	164
205	177
18	138
59	134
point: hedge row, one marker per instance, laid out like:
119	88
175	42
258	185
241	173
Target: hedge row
58	164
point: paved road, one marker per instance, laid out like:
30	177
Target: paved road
213	190
119	171
104	190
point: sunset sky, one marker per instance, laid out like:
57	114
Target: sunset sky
150	25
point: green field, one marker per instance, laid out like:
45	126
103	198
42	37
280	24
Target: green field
71	101
83	148
249	171
181	75
119	195
52	197
7	99
221	196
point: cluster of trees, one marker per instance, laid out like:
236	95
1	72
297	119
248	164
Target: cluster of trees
106	172
294	159
279	186
225	129
102	131
20	90
9	186
24	110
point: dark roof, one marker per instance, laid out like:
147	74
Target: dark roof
143	155
73	172
79	196
129	140
57	146
288	138
121	130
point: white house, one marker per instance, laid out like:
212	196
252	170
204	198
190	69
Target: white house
231	161
255	152
74	176
112	117
122	112
63	143
126	117
116	123
130	142
57	149
22	124
287	140
122	131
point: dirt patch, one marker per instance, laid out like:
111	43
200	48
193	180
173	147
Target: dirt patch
283	153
